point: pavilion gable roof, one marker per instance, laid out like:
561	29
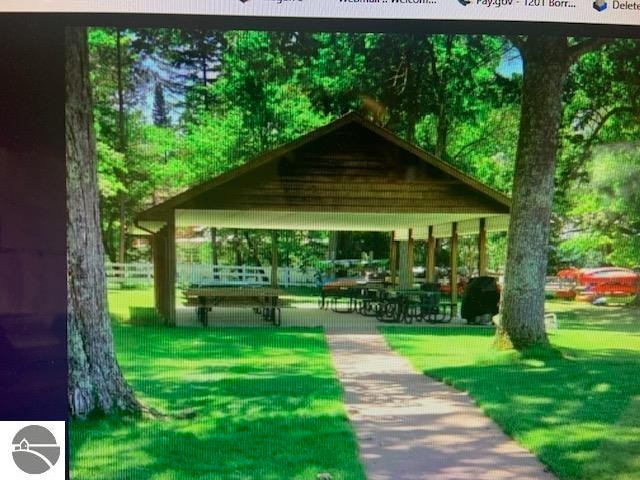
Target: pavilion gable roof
350	165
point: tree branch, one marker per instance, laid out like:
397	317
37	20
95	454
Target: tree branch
604	120
579	49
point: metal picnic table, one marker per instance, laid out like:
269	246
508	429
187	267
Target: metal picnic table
359	295
405	306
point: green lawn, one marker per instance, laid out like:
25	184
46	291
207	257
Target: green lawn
267	400
580	413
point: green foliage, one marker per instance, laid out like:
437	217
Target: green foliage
596	220
111	168
574	405
237	94
586	249
607	208
335	71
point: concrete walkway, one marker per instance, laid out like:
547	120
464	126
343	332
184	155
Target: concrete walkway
410	427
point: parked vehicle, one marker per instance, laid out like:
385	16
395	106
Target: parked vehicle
561	287
591	284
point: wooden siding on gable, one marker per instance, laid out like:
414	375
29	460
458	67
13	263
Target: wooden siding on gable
351	169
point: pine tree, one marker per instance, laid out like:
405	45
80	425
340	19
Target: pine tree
160	117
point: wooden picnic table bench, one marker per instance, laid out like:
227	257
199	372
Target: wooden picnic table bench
264	300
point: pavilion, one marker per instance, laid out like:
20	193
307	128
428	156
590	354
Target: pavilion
350	175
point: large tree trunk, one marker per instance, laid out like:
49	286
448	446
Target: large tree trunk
546	65
95	381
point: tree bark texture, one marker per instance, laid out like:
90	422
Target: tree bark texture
95	381
546	65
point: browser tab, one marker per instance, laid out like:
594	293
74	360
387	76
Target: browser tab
618	12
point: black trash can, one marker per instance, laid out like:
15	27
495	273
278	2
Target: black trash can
480	300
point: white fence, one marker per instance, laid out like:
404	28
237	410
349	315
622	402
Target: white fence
188	273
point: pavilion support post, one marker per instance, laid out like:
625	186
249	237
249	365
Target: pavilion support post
431	257
410	262
170	279
454	269
159	254
164	268
274	259
483	261
393	259
405	255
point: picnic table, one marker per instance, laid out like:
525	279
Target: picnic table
264	300
368	298
405	306
357	293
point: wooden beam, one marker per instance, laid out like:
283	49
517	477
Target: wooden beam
483	261
393	259
274	259
454	269
431	257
